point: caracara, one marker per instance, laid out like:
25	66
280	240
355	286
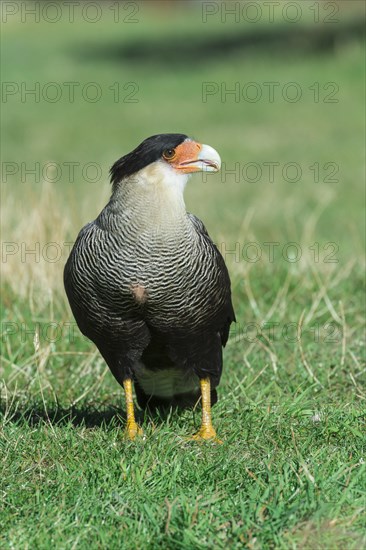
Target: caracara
147	285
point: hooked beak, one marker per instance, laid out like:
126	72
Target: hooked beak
196	157
207	160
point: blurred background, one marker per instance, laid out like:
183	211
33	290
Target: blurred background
277	88
266	85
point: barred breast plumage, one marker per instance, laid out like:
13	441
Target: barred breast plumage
145	282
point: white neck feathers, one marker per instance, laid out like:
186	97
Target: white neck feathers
153	196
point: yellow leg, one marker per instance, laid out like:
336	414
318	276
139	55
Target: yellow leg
132	428
207	431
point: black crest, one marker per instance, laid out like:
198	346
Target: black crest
150	150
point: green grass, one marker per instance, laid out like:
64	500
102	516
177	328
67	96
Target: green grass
291	410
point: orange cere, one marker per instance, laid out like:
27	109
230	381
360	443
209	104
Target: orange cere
186	152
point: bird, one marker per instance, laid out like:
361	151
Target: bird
149	287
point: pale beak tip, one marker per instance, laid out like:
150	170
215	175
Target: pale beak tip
210	158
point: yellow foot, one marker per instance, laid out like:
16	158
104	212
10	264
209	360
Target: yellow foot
206	434
133	430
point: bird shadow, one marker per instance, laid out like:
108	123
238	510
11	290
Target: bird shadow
36	414
89	416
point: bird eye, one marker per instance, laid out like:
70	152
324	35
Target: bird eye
169	154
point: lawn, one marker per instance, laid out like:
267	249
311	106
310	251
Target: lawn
291	412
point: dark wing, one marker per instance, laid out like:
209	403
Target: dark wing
227	315
110	319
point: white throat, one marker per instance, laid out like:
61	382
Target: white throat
154	195
161	181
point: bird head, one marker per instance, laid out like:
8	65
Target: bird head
165	156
